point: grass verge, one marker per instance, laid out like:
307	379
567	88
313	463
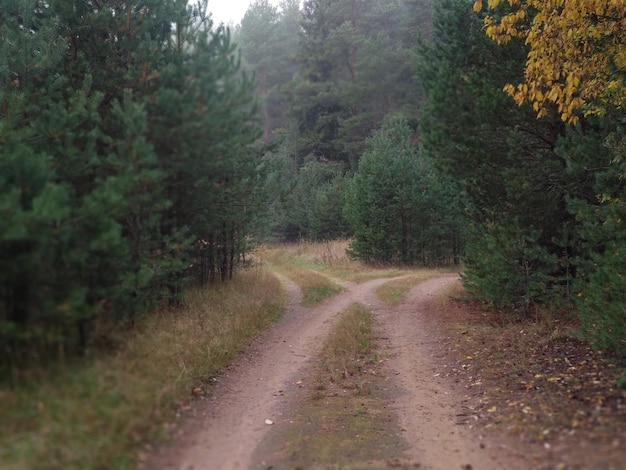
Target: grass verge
97	413
343	422
315	287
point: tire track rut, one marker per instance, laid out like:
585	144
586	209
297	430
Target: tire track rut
223	431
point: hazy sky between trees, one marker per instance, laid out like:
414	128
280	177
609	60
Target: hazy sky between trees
230	11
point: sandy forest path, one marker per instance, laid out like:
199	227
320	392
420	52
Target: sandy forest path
223	431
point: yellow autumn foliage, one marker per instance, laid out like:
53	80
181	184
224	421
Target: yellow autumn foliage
577	53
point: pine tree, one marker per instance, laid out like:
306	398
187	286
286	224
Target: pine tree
397	206
202	122
592	151
515	183
356	66
125	153
268	40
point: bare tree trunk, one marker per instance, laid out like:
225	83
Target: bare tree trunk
212	268
223	255
233	251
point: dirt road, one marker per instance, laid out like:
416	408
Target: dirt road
223	432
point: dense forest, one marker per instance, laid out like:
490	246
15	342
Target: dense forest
145	149
128	164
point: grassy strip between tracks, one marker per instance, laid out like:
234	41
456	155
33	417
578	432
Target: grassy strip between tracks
343	420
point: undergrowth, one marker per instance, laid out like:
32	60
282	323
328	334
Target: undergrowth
97	413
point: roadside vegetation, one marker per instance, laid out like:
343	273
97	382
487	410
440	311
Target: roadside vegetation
349	346
99	411
534	377
140	158
127	167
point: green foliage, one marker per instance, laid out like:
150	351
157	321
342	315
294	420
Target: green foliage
327	75
355	66
202	125
268	41
544	201
116	187
506	266
519	240
398	208
621	381
306	203
599	291
602	295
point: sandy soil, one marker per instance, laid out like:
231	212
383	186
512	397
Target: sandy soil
431	407
222	432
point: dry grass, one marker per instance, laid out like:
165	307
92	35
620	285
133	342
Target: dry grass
301	262
97	413
330	258
305	254
394	291
350	344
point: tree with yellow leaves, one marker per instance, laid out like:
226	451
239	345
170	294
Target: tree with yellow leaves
576	57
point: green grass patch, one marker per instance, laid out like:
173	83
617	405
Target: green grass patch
315	286
98	412
394	291
314	295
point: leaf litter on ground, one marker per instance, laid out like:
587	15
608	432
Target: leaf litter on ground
536	380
